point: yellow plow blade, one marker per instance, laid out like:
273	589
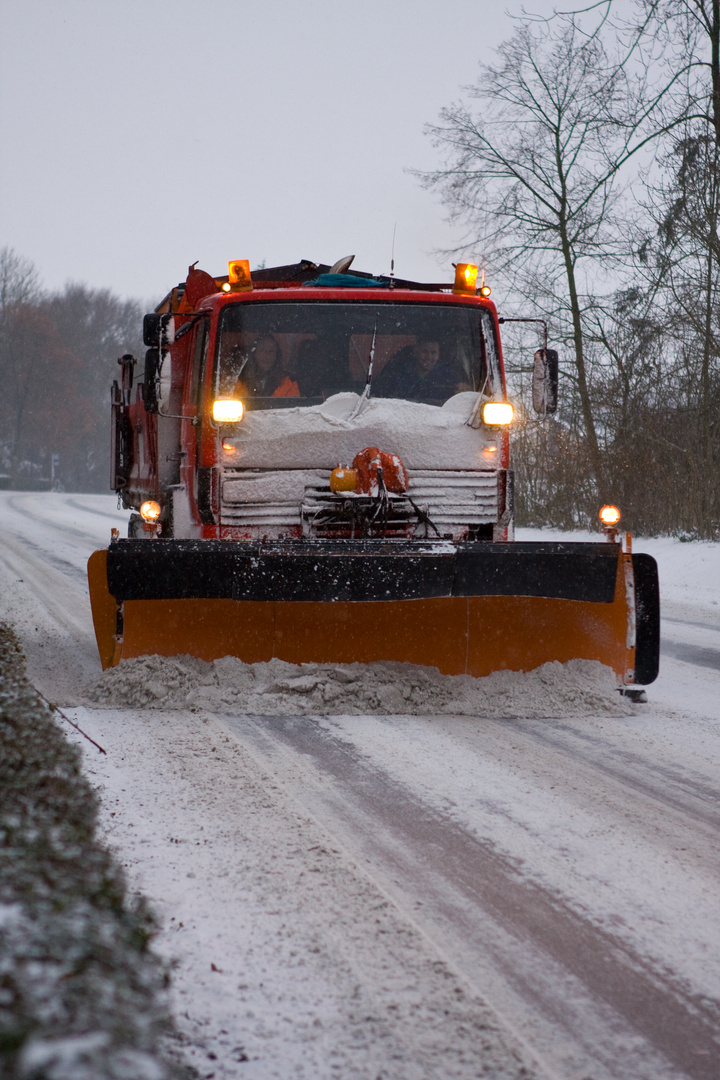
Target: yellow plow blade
467	634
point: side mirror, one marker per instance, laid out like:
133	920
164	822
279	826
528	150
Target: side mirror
545	382
156	383
150	380
158	330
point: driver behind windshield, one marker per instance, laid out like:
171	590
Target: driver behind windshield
263	374
417	373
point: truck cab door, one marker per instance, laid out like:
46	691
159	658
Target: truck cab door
192	424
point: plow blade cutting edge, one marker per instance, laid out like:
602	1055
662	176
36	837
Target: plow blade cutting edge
464	609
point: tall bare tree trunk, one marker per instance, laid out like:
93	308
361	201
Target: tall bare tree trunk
715	67
596	460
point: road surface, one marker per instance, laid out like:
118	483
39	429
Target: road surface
406	896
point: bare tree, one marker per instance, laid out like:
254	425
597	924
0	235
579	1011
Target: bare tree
58	356
677	259
533	173
40	410
97	327
19	286
19	282
690	34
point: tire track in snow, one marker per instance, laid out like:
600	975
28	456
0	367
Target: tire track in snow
670	787
56	523
43	556
85	509
691	654
47	601
617	1012
701	655
692	622
60	598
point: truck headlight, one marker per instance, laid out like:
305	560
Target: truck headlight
227	411
498	413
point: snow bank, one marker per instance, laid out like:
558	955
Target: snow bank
320	436
579	687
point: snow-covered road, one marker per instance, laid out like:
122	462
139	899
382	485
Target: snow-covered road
411	896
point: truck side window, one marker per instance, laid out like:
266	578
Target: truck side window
197	364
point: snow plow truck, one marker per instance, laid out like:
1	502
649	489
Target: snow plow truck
318	465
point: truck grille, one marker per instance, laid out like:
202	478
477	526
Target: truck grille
437	502
267	501
467	497
266	498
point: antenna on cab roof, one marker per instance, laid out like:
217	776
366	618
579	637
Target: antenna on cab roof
392	260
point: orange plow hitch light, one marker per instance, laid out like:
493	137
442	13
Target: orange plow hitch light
609	515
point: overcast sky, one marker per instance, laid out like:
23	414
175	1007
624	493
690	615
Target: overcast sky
137	136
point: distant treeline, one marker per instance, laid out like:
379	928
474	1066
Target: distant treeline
58	353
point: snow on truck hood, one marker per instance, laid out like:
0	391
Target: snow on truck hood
321	436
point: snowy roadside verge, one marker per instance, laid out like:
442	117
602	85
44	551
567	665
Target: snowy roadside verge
81	995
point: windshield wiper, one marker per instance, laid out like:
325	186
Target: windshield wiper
368	383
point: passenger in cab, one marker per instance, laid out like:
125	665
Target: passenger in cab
263	375
417	373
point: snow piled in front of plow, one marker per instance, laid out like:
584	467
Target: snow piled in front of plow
556	690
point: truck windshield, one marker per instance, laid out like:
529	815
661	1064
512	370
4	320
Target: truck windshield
287	353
